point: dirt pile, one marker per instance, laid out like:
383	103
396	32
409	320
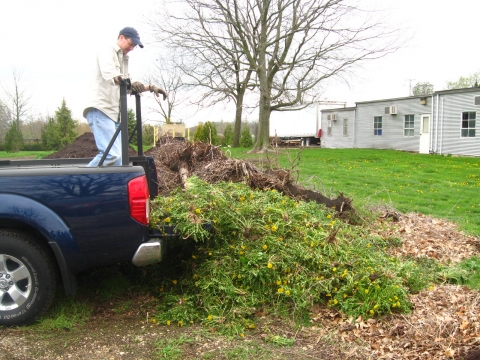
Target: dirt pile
83	147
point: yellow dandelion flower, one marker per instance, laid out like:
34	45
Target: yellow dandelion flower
329	216
154	320
376	306
241	252
180	323
264	247
279	282
167	220
372	312
274	228
280	290
287	292
168	322
194	257
197	211
239	276
174	282
334	269
209	254
209	317
335	301
270	265
242	335
366	291
344	296
251	326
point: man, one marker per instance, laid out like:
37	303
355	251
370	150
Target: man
103	113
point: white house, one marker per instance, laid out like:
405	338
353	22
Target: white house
442	123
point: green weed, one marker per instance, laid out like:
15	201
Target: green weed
171	348
66	313
268	251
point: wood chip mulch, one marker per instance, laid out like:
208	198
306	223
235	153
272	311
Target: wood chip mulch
445	321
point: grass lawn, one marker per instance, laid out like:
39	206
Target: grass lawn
442	186
24	154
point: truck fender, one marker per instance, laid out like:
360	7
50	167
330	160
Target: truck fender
50	225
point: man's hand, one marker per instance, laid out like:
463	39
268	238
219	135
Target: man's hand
155	89
138	87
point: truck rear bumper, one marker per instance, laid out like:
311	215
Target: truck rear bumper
150	252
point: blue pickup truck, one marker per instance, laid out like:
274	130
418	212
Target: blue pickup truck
59	217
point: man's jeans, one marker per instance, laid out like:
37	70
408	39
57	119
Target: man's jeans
103	129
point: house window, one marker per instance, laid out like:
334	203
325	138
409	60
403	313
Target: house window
377	126
468	124
329	128
409	125
345	127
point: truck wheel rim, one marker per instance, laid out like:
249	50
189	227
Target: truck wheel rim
15	282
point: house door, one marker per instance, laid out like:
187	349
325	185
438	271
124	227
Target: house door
424	134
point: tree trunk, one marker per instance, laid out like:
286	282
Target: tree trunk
238	120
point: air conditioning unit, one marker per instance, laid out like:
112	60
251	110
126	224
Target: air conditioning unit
476	100
332	117
392	110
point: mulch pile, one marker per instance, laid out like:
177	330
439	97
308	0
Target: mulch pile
445	321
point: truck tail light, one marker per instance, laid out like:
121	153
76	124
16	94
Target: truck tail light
138	199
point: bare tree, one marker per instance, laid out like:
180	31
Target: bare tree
17	98
293	46
5	118
208	55
168	77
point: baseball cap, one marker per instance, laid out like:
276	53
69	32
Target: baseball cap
131	33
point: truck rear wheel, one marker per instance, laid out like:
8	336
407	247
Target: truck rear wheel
28	279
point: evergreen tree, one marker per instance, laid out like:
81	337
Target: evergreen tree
148	135
59	131
246	139
66	125
13	138
50	135
228	135
132	123
206	133
198	134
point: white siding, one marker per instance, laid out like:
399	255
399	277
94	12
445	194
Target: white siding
392	125
447	123
337	140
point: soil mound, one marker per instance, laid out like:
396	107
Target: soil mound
83	147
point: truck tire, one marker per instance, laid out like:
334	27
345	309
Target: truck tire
28	279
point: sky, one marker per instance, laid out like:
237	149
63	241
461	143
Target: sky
53	43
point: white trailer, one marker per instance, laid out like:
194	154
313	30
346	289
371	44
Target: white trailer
300	127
